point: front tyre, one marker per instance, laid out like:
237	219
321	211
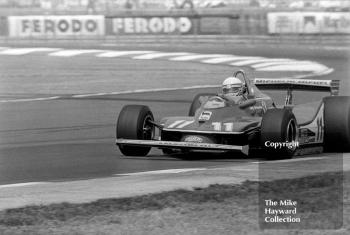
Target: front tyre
279	133
134	123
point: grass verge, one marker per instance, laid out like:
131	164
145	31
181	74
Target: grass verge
217	209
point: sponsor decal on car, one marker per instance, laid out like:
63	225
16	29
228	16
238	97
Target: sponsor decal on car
325	83
179	124
205	116
227	126
194	139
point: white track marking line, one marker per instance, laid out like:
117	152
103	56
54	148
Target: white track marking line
68	53
23	51
197	56
258	60
30	99
145	90
227	59
292	160
257	63
111	54
20	185
168	171
159	55
101	94
292	67
331	48
248	62
267	64
327	71
165	89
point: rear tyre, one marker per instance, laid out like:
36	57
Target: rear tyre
279	126
196	103
133	123
337	123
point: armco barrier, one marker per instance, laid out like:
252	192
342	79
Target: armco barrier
3	26
215	25
307	40
338	41
254	23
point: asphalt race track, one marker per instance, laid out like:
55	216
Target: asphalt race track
72	136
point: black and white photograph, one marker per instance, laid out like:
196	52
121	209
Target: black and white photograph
177	117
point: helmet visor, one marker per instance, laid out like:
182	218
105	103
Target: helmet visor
231	90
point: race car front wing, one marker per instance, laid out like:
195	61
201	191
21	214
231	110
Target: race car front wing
183	145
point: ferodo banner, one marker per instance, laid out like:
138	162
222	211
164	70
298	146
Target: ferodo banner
52	26
152	25
309	22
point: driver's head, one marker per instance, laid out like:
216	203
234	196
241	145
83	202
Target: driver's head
232	86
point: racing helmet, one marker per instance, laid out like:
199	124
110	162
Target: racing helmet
232	86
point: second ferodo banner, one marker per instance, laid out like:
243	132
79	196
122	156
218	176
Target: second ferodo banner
309	22
56	26
150	25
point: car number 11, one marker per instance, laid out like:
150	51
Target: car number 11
218	126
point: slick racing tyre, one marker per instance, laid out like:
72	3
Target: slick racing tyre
337	123
133	123
279	134
196	103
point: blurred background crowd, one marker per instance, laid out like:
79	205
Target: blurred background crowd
100	6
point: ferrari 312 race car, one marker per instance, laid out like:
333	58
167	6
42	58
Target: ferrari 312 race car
256	125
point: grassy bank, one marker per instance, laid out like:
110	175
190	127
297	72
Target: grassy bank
218	209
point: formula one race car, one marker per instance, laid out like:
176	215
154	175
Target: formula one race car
255	125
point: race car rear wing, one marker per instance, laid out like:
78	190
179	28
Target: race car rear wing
331	86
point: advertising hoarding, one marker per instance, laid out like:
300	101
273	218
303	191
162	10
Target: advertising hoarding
308	23
56	26
152	25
